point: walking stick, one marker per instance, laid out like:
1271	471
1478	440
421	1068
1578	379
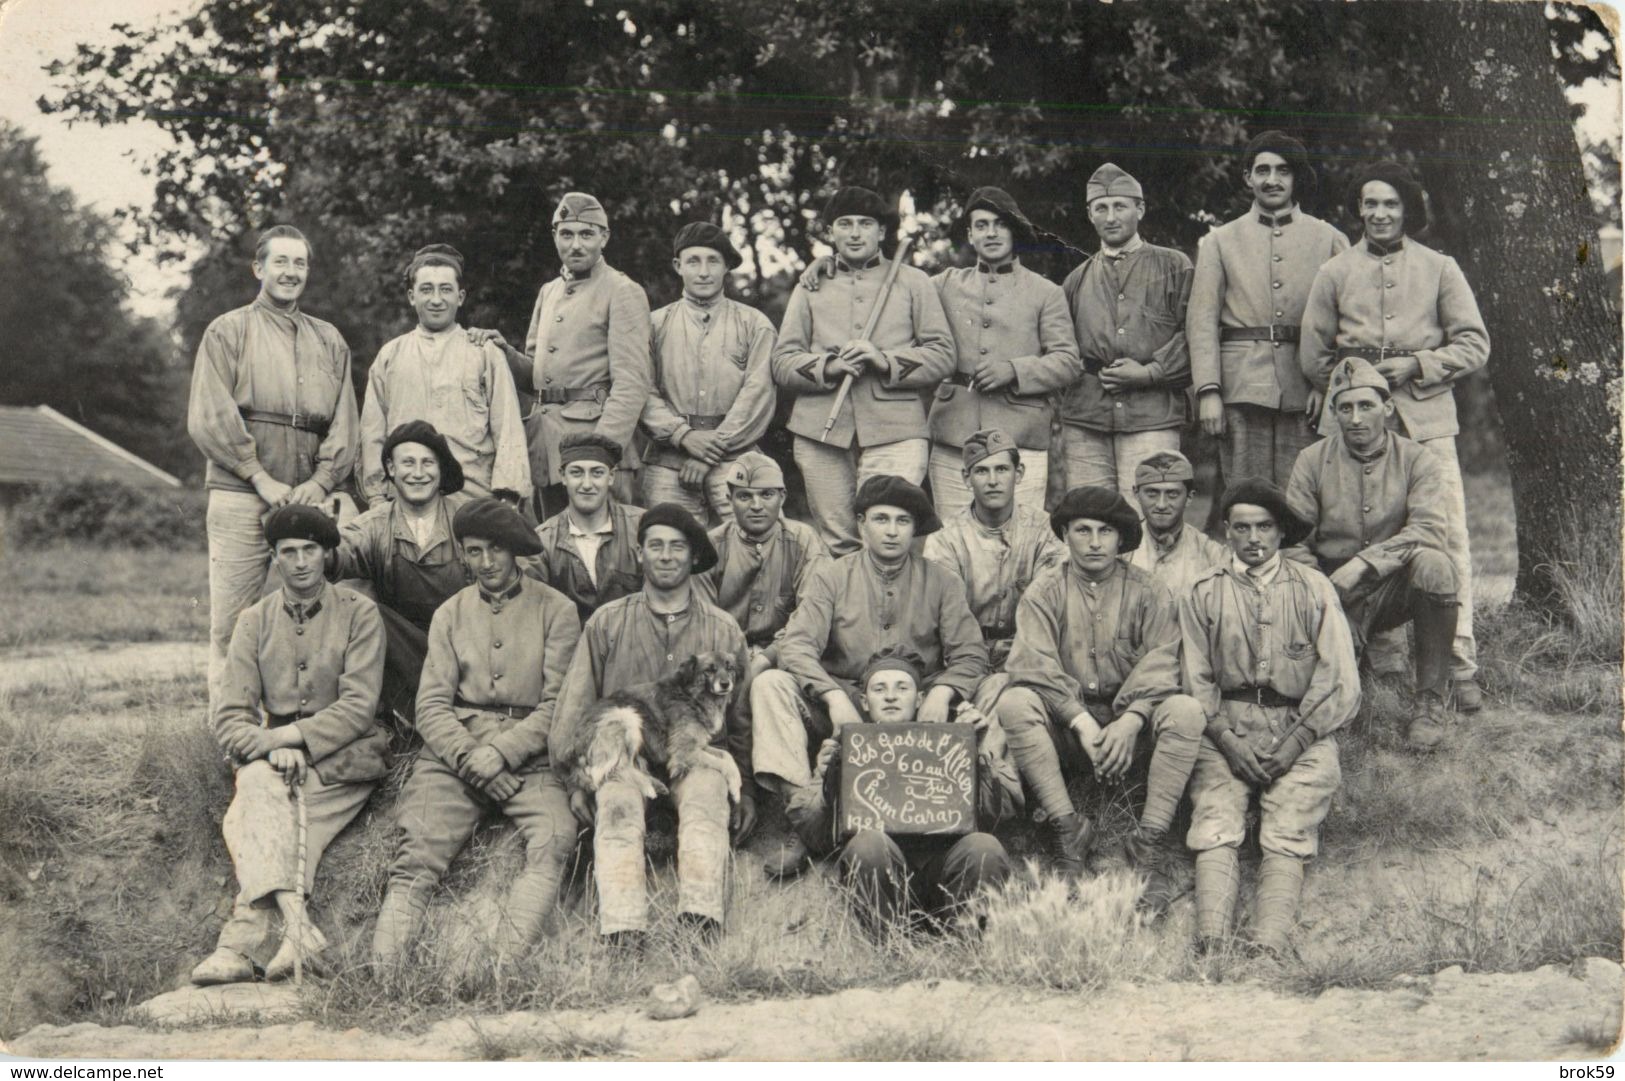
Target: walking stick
299	950
868	330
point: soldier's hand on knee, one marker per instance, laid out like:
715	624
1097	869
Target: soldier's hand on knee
483	764
504	786
1243	762
1278	761
1117	746
743	819
581	806
291	763
1347	578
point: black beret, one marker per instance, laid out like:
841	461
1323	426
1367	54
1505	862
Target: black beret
424	433
702	234
675	516
1410	193
1004	205
1294	153
495	521
589	446
861	202
1102	505
890	491
1259	492
296	521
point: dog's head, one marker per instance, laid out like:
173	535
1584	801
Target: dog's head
710	673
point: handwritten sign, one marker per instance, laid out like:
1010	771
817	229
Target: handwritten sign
908	778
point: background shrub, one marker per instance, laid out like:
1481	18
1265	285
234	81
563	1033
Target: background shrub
106	512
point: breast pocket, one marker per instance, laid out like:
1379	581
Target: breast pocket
889	394
476	411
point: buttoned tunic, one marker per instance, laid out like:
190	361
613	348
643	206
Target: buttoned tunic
996	563
380	547
852	608
1130	305
1177	566
587	332
627	644
1006	314
1379	507
1408	299
1289	636
616	571
317	666
1080	643
759	581
913	335
496	651
464	390
712	365
1255	271
260	358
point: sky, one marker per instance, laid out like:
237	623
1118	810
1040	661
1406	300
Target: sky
102	166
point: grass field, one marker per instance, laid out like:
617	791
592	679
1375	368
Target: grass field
1501	853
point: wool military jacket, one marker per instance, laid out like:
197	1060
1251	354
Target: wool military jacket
379	547
615	566
1010	314
259	358
1131	305
760	581
316	666
512	650
1080	643
912	333
996	563
586	333
1379	507
1255	272
712	371
465	391
1289	636
1177	566
1411	299
852	608
627	644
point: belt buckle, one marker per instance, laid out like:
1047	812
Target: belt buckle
1272	335
294	416
1258	695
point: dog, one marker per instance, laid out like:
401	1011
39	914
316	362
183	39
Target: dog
669	723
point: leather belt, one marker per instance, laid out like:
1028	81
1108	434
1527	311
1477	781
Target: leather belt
1093	366
303	422
598	392
1275	332
998	632
1371	352
960	379
277	720
515	712
703	423
1262	696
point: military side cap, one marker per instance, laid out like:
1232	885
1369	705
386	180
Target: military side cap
1164	467
859	202
579	206
424	434
753	469
890	491
1353	373
296	521
702	234
1258	492
985	444
495	521
674	515
1100	505
1110	180
894	659
590	447
1004	205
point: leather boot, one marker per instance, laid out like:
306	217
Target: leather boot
1071	838
1430	723
307	945
1280	887
397	928
1148	853
1469	696
223	966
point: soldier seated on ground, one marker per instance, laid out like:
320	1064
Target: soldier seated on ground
307	659
890	877
589	550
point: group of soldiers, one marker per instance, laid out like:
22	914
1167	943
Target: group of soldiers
1048	591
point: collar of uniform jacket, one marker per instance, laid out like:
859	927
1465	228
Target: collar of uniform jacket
290	313
1003	268
1283	218
1377	247
1374	453
306	611
1136	242
496	600
842	264
571	276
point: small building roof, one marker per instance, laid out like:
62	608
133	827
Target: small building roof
38	445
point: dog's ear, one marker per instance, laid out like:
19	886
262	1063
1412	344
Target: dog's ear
689	669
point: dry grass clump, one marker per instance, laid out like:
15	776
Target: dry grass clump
940	1042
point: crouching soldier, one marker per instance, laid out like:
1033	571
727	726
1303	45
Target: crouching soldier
1174	552
1268	656
640	638
889	876
1377	502
1095	668
310	656
498	651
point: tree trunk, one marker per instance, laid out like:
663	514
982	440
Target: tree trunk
1510	162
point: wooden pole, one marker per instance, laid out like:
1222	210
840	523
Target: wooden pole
868	332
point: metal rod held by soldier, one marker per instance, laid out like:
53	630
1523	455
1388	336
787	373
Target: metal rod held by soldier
868	332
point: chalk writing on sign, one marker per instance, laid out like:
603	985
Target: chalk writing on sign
908	778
